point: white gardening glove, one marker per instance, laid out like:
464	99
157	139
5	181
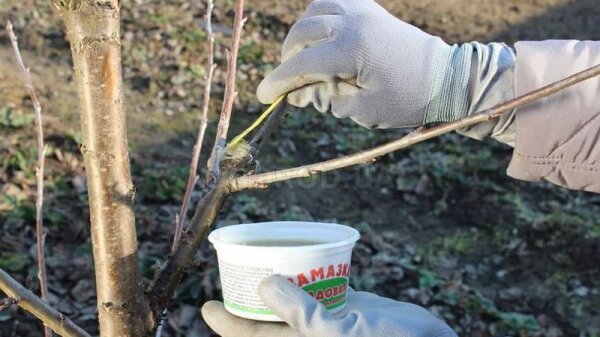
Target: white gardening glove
357	60
366	315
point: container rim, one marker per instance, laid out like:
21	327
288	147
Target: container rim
352	235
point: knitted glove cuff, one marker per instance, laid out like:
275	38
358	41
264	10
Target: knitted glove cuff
449	97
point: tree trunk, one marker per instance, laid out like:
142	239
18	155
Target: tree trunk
94	32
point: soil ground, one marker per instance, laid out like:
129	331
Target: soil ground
442	225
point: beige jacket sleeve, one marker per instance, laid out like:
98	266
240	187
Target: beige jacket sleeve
558	138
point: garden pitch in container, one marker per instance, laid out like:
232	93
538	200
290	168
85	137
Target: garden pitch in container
314	256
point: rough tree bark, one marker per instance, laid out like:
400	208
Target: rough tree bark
93	29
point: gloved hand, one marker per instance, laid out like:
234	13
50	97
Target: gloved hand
355	59
366	315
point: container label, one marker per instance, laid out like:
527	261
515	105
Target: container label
331	293
240	286
321	273
327	284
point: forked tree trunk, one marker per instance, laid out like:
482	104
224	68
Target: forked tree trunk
93	30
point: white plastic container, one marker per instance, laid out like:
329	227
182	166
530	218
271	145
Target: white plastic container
247	254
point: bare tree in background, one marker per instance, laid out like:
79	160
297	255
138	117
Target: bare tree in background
125	308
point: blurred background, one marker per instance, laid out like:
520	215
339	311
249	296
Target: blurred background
442	224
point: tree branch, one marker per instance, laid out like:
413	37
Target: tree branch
268	127
230	94
264	179
27	300
165	282
168	277
39	172
193	176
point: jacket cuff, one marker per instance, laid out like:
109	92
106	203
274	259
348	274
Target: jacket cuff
492	83
557	136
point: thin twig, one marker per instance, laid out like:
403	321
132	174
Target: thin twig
39	172
193	176
230	94
31	303
264	179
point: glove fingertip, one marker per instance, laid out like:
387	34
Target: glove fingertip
291	303
275	285
211	306
277	292
264	93
222	322
213	312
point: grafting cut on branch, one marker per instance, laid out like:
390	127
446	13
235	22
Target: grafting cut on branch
39	171
264	179
193	176
168	277
5	303
27	300
230	94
